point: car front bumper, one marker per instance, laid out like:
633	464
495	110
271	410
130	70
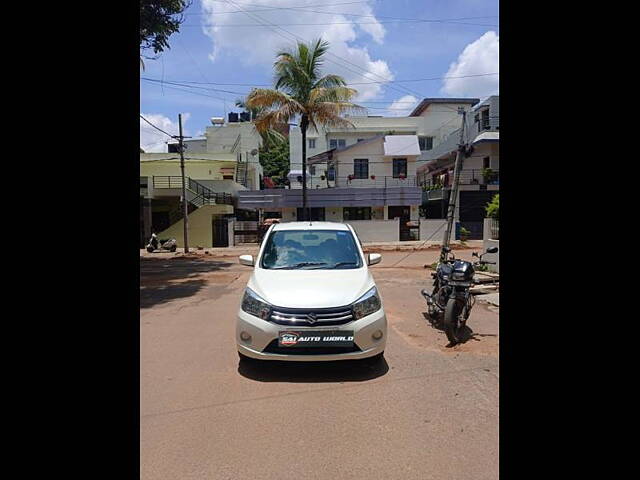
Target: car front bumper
263	333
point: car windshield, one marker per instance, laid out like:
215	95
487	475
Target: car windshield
310	249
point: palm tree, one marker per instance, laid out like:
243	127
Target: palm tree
300	90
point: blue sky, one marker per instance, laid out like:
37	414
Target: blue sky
372	42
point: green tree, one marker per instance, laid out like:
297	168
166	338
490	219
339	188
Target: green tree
301	91
274	159
158	20
493	207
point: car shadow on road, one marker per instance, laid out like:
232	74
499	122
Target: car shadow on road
312	372
165	279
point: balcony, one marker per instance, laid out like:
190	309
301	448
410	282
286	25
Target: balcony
467	177
374	181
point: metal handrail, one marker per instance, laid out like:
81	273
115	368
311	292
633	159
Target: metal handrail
204	194
379	181
467	177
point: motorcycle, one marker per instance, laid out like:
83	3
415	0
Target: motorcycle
452	280
154	244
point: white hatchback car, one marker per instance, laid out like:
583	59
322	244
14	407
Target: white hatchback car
311	297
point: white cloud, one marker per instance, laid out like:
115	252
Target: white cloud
151	140
478	57
259	45
403	106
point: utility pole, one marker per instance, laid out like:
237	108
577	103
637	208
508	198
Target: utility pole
456	181
185	212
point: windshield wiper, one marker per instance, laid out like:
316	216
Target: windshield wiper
339	264
299	265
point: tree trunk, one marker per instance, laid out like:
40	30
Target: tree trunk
304	123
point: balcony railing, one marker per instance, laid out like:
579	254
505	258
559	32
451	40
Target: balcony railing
375	181
203	195
467	177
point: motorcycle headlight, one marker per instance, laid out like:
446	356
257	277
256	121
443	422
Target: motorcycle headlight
367	304
457	276
255	305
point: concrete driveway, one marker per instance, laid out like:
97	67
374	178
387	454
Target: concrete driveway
426	412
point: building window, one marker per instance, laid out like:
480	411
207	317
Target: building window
356	213
312	143
399	167
426	143
173	148
331	173
360	140
312	169
486	162
337	143
484	114
227	177
360	168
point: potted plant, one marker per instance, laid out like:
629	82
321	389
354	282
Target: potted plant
464	234
373	177
487	175
402	176
349	178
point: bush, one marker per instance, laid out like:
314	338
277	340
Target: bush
493	207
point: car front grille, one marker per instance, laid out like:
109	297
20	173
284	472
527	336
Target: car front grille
311	317
274	348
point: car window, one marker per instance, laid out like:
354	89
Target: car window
311	249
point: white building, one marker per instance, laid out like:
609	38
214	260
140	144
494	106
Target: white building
432	121
480	174
217	167
366	173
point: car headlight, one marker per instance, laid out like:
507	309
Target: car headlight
255	305
367	304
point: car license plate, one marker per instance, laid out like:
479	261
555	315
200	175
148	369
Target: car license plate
322	338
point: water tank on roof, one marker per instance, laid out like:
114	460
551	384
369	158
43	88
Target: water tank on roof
217	120
233	117
245	117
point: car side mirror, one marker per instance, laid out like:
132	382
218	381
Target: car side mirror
374	258
492	250
246	260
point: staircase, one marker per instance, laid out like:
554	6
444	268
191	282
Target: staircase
197	194
241	170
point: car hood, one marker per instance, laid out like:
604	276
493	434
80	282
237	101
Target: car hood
311	288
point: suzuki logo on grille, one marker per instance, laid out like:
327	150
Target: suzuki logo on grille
311	317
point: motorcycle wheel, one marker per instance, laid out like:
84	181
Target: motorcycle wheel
150	249
453	321
173	249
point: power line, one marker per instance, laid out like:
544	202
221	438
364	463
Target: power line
338	23
386	102
157	128
328	53
305	8
266	8
190	86
349	84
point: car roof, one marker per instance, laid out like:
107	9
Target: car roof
310	226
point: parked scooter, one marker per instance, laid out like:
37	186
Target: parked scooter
154	244
452	280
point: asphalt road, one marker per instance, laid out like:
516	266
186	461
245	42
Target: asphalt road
427	412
